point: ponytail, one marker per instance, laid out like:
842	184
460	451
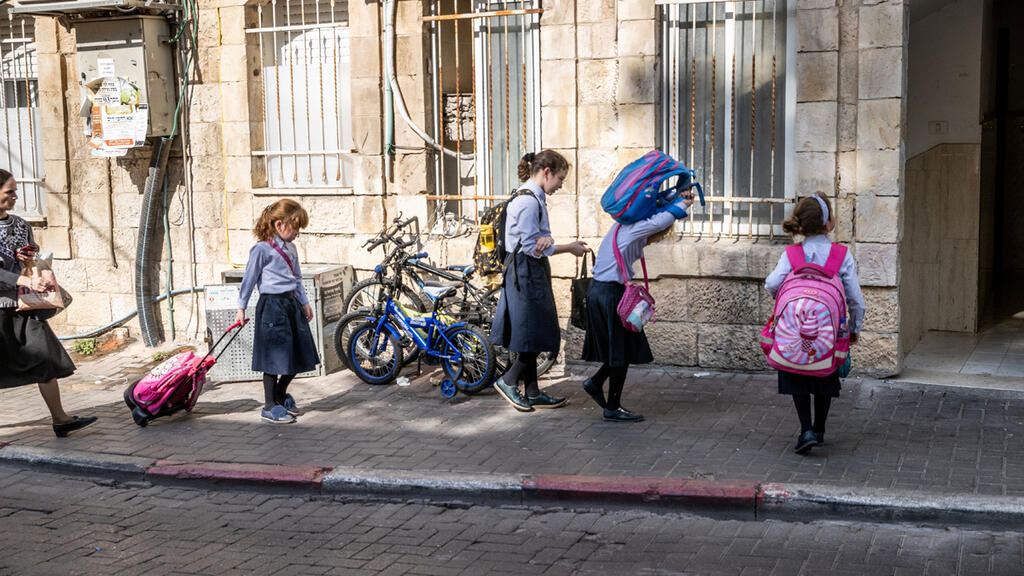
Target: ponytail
532	163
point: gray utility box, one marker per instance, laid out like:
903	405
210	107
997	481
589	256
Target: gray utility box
326	285
138	46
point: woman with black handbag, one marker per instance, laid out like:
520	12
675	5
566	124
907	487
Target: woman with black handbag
526	321
29	350
607	340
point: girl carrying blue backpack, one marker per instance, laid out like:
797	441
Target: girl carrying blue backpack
813	219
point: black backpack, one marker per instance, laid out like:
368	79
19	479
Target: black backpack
491	251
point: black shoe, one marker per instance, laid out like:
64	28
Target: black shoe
595	391
62	430
542	400
620	415
821	437
806	440
511	393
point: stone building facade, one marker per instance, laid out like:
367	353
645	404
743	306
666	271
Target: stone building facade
598	73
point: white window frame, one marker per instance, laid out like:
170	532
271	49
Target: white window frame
21	135
729	190
323	159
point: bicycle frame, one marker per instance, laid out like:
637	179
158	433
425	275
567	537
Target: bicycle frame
410	326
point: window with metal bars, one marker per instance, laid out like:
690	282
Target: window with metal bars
306	104
21	153
724	109
484	64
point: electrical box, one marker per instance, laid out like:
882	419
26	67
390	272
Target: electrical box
327	286
137	47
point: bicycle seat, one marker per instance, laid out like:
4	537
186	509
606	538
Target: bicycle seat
438	292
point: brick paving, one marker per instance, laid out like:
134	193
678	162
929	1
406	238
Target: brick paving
58	525
719	426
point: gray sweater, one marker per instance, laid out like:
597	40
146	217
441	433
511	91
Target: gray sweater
14	233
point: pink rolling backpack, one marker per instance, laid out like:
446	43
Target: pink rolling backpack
807	333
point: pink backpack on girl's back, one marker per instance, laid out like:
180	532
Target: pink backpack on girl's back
807	333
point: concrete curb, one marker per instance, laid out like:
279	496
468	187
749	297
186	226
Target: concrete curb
78	461
736	498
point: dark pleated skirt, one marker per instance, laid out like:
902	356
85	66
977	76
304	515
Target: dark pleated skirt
29	351
790	383
282	342
526	319
607	340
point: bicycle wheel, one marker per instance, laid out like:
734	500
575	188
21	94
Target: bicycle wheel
545	360
365	292
375	357
343	333
476	369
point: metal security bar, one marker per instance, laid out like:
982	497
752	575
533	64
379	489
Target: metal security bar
20	143
484	63
723	109
306	105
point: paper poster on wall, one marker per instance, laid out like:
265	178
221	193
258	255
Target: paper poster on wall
119	121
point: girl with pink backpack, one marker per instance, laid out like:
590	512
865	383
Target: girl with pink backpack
615	335
819	310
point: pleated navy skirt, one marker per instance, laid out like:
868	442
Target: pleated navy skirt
607	340
29	351
790	383
526	319
282	342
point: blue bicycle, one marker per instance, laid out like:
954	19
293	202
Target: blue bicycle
375	346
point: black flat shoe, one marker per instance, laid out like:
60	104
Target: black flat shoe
512	395
542	400
620	415
806	440
62	430
596	392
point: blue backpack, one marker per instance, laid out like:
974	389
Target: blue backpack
636	192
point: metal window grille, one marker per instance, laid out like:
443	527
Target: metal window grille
725	109
489	115
21	153
306	105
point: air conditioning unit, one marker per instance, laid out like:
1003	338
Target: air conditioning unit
85	7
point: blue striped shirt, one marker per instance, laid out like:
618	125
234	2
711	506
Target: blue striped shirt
522	226
268	272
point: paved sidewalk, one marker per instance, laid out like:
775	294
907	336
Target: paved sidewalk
888	444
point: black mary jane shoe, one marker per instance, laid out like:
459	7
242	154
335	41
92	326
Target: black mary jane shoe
542	400
805	442
595	391
620	415
62	430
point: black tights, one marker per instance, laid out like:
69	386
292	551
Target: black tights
274	389
616	376
525	369
803	411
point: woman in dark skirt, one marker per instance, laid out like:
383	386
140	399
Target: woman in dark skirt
283	344
607	341
29	351
526	321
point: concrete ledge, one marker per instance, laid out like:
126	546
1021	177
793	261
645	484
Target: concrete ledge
77	461
701	493
425	485
889	505
307	477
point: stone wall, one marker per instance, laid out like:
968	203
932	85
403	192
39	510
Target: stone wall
939	288
599	98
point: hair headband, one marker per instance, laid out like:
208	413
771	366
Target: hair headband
824	209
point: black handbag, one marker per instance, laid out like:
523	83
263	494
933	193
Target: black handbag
578	293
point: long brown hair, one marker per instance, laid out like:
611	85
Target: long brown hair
806	219
532	163
286	210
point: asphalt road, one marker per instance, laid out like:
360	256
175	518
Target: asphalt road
52	524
